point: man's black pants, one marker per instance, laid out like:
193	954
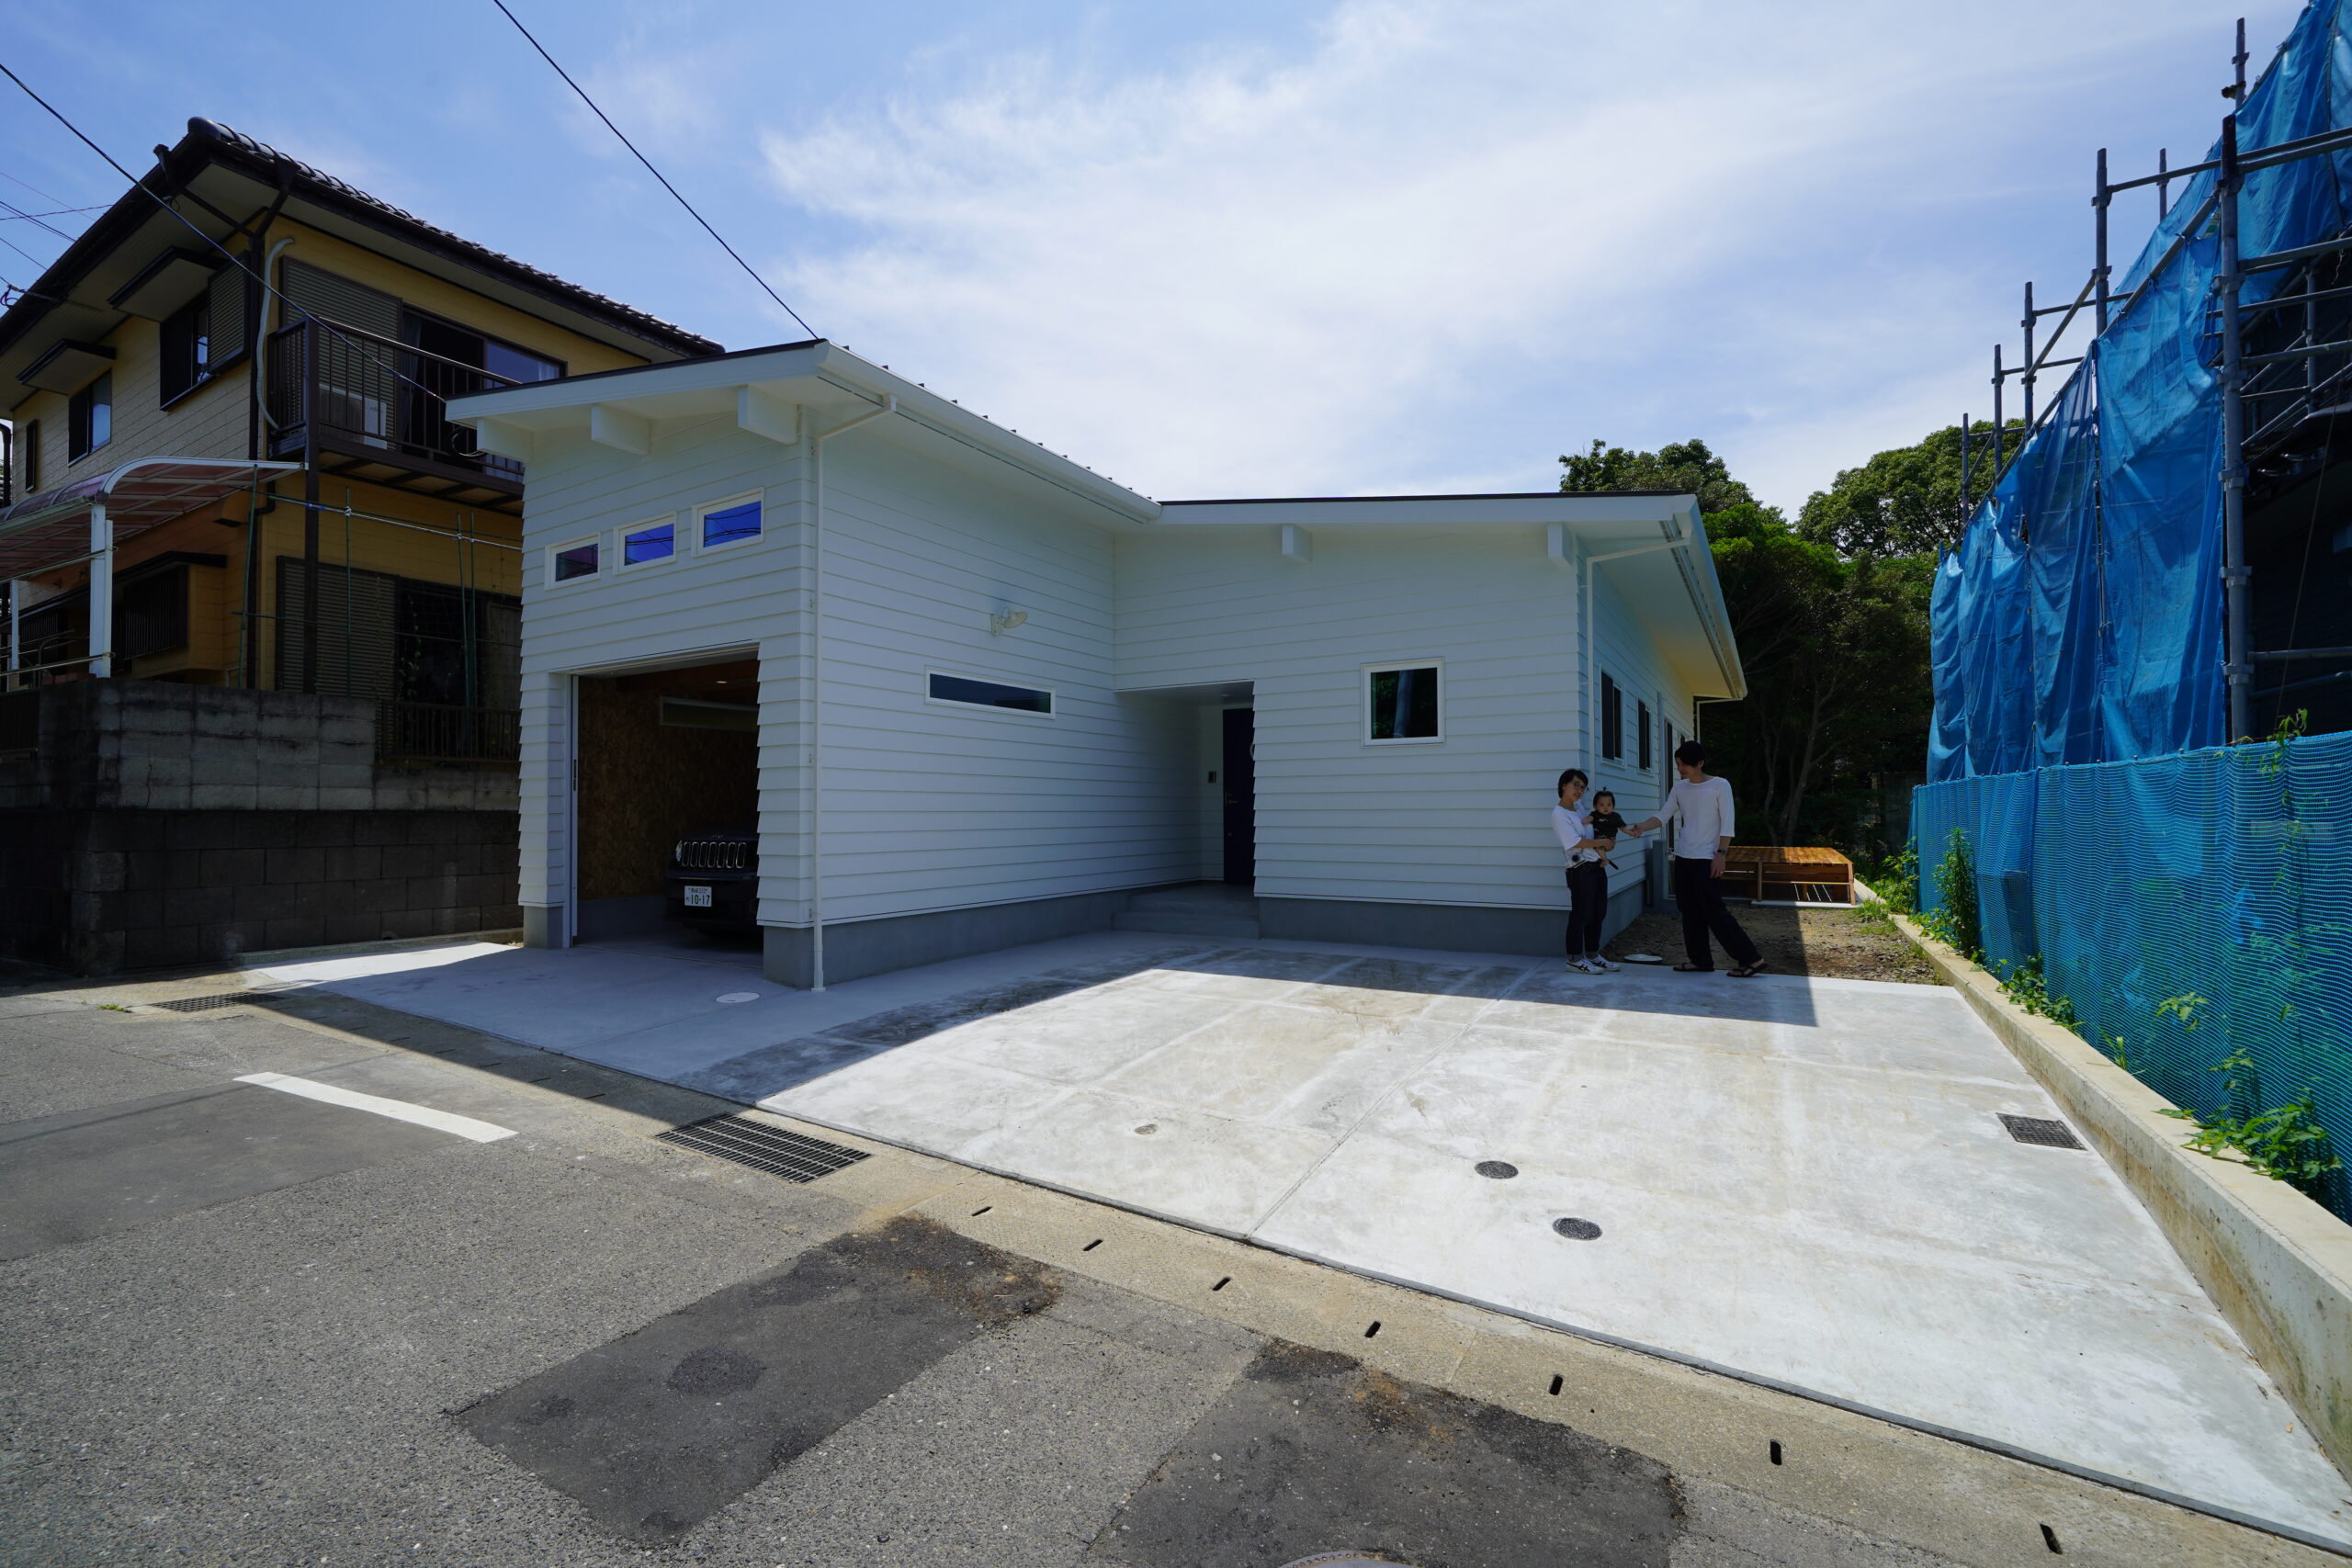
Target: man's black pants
1701	900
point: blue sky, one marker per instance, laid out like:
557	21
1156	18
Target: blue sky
1224	249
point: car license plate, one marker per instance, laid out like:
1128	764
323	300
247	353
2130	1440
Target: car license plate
698	897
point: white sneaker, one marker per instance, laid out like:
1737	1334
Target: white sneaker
1586	965
1606	966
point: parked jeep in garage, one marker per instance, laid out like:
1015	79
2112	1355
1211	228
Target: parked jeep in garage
713	883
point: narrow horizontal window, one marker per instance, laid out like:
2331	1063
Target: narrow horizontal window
1403	703
578	560
657	542
989	694
731	523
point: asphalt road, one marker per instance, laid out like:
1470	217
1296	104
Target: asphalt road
240	1324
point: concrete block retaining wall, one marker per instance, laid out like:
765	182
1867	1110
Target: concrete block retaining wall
151	824
97	892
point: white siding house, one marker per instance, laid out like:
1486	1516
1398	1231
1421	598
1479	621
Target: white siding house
903	547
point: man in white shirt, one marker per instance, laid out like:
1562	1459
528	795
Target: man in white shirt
1701	807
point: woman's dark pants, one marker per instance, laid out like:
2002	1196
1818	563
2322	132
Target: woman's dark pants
1701	899
1588	909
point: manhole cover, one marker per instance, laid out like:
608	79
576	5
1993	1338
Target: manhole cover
1497	1169
1148	1127
1576	1230
740	997
2040	1130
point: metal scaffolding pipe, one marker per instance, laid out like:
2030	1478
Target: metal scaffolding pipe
1999	375
2237	668
2029	366
2099	258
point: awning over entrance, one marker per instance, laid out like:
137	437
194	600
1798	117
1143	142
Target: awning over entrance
52	529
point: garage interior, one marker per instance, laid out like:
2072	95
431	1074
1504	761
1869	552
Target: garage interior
662	754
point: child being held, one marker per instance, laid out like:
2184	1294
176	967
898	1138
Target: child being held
1604	823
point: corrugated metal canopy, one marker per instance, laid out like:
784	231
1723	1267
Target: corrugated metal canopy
52	528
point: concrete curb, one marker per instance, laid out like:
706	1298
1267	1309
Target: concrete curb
2277	1265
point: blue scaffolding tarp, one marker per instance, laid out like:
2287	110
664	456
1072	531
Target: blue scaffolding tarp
2080	619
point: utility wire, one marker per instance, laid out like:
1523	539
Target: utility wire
12	179
24	253
15	212
650	169
58	212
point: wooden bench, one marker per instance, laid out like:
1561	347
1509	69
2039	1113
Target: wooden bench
1781	871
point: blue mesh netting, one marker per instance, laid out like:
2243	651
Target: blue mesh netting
2220	876
2080	713
2080	620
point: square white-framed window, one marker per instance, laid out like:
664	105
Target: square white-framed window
723	524
947	689
576	561
645	544
1404	702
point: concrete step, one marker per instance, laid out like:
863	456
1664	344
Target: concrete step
1184	922
1204	897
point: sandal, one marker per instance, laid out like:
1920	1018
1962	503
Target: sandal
1693	969
1745	970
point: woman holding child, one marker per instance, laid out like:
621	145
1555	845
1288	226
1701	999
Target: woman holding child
1577	829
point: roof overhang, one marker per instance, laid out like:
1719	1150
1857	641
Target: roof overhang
778	393
50	530
66	366
1650	546
176	277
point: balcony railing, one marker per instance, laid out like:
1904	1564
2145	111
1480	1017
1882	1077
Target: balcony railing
371	402
430	732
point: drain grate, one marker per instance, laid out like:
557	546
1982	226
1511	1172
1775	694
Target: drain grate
2040	1130
763	1148
206	1004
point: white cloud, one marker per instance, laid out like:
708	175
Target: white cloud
1442	243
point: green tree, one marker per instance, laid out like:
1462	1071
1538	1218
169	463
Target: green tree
1688	466
1906	500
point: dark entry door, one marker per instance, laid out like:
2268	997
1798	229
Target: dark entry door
1241	776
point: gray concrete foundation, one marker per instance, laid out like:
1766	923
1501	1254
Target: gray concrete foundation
1451	927
855	949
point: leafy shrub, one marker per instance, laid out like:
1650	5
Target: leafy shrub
2285	1143
1957	921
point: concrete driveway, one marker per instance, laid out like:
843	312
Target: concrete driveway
1805	1182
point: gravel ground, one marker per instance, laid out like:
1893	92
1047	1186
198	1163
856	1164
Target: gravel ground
1838	944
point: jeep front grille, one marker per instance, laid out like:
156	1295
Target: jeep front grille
714	854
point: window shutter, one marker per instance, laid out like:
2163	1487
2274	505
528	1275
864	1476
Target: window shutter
227	294
338	299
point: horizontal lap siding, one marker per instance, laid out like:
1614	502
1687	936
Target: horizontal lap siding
741	596
1628	655
931	807
1462	822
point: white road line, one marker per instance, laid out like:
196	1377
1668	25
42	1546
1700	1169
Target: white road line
398	1110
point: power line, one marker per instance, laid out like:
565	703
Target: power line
24	253
12	179
650	169
56	212
15	212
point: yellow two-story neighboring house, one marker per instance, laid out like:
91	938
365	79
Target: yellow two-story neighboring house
238	310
